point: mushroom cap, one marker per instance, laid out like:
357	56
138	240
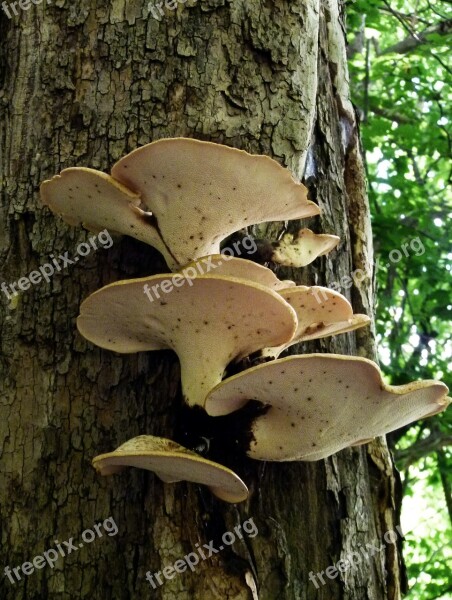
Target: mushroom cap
208	321
97	201
299	250
171	463
241	268
201	192
322	403
321	312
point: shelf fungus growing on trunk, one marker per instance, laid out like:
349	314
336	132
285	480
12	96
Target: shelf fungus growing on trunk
182	196
303	248
319	404
221	314
172	463
209	321
231	266
320	312
95	200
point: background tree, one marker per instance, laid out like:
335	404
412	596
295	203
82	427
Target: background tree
401	80
82	85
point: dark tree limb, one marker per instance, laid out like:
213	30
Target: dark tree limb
434	442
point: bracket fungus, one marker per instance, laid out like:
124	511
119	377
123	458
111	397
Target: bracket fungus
95	200
208	321
320	312
172	463
319	404
185	196
230	266
301	249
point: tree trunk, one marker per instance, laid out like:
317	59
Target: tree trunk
83	85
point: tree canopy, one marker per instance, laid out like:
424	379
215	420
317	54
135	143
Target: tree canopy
400	75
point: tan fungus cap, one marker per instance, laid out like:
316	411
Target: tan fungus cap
172	463
322	403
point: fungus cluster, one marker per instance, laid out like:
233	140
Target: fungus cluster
184	197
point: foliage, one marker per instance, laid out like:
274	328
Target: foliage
429	556
400	79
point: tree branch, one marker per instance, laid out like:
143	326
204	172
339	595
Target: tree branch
434	442
442	468
417	39
441	593
387	114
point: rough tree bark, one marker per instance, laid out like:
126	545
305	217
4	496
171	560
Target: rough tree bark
82	84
